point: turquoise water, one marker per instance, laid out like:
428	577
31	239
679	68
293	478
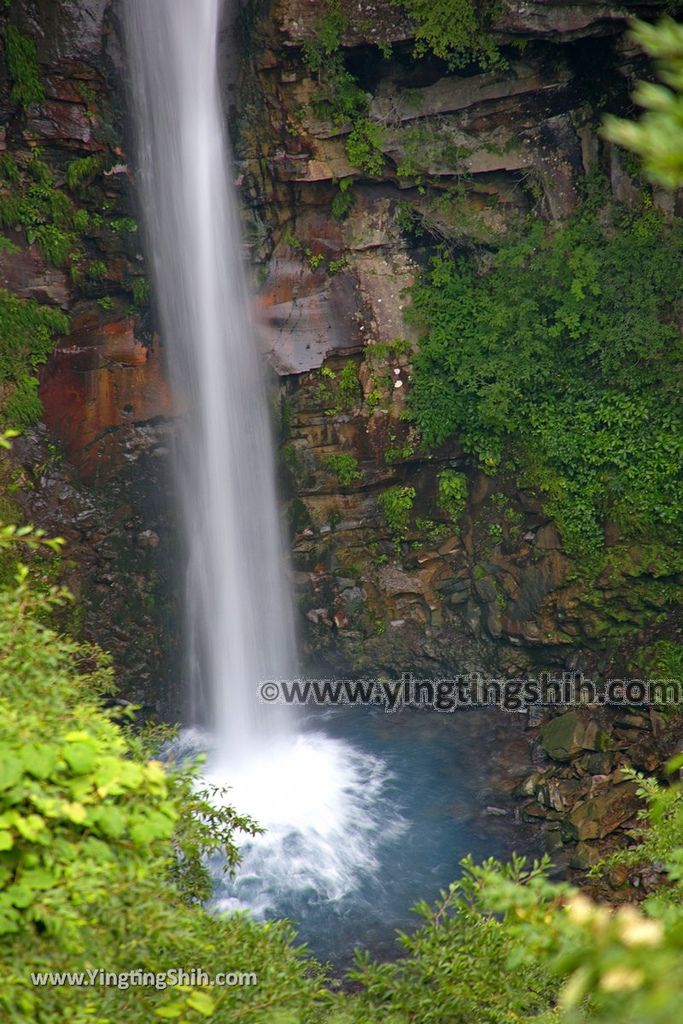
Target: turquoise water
377	815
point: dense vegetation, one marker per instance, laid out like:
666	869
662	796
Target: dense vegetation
101	866
22	64
27	337
100	848
560	358
454	30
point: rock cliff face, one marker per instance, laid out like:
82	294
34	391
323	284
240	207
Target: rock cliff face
461	156
104	393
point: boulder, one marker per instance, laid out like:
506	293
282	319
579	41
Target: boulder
585	856
393	580
567	735
602	815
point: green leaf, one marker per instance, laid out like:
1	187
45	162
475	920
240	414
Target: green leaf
169	1012
20	895
202	1003
110	821
30	827
39	759
41	878
10	772
74	812
81	757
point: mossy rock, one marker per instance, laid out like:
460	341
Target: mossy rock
566	736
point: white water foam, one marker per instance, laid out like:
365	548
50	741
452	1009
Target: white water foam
324	809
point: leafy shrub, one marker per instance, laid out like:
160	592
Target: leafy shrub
23	405
452	30
30	200
79	172
141	292
564	355
504	945
341	99
396	504
344	467
452	493
123	226
339	392
456	967
97	270
22	64
27	337
102	849
343	201
363	146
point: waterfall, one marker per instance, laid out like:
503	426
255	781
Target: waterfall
239	620
319	798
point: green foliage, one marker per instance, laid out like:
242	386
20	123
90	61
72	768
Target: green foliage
22	405
22	64
364	146
659	834
452	493
342	204
323	46
141	292
80	172
615	967
314	259
495	532
208	826
102	850
336	266
566	354
123	226
430	531
97	270
396	505
339	392
29	200
456	967
423	146
658	136
339	96
344	467
341	99
27	336
452	30
397	452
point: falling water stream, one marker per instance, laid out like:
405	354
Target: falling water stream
330	795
